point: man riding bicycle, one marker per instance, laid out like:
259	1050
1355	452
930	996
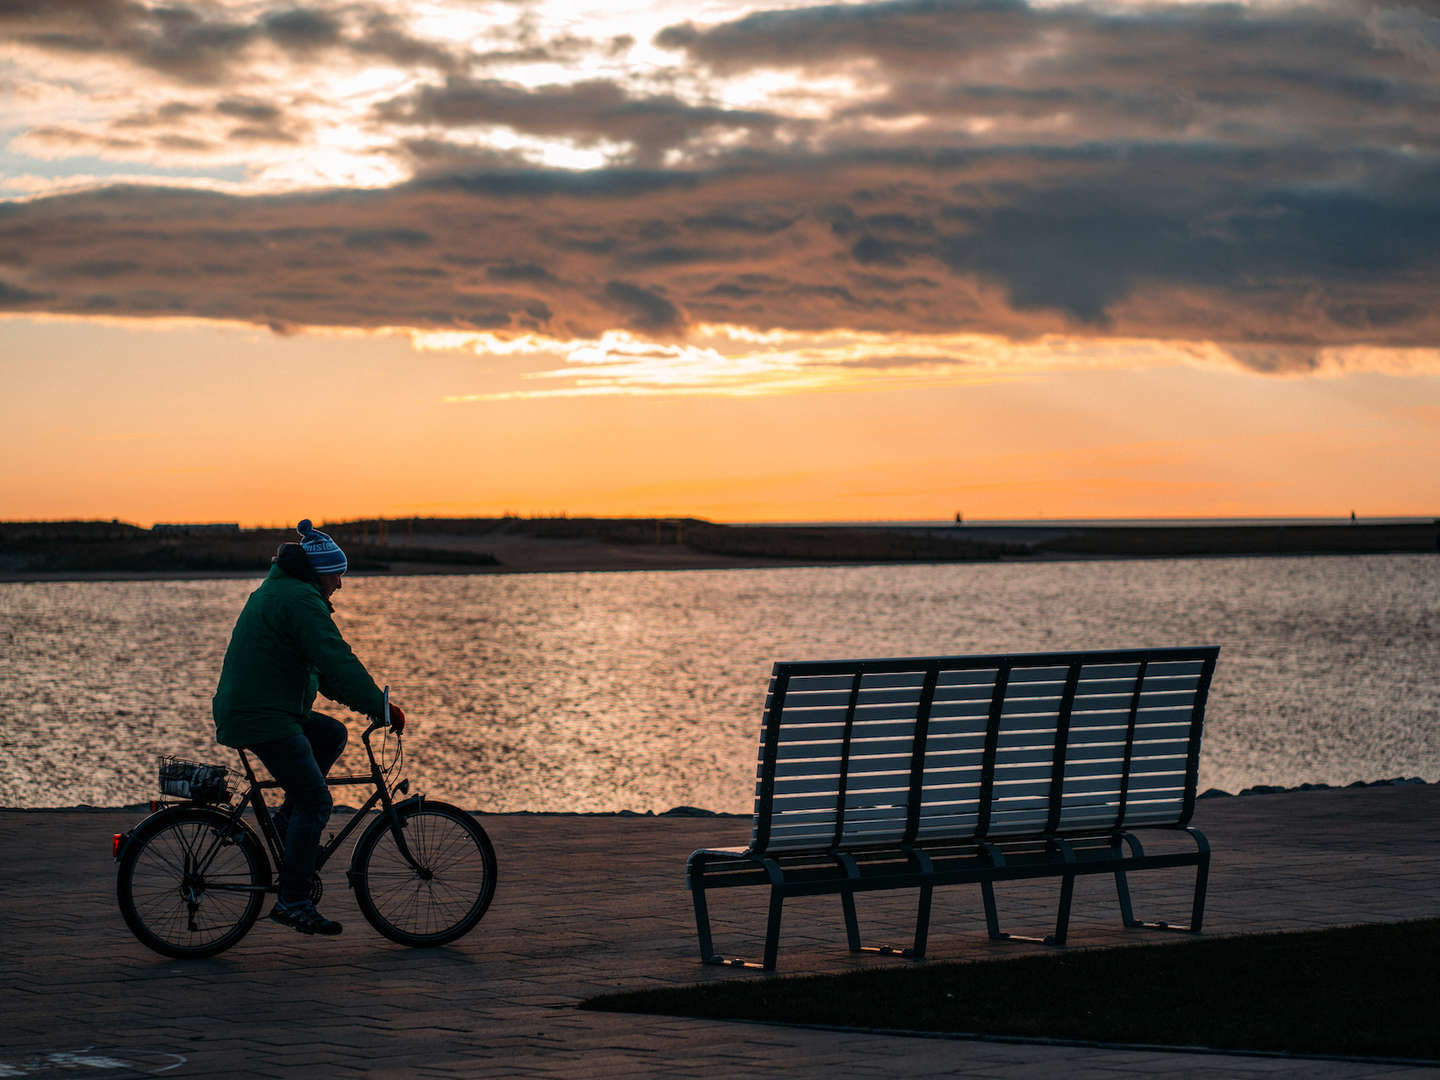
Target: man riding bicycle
285	648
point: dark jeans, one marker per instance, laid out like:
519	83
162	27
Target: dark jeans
300	764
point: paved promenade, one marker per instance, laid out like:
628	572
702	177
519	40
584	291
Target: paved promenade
590	904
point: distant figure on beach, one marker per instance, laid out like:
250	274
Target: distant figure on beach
285	648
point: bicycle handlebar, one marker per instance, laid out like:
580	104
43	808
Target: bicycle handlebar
383	720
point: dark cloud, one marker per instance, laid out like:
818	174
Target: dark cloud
302	29
1280	252
14	296
1261	175
827	34
74	141
1003	70
513	271
644	309
384	240
382	36
249	109
205	44
586	112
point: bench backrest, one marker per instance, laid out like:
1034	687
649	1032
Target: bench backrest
883	752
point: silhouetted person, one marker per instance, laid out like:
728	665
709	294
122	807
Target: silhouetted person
285	648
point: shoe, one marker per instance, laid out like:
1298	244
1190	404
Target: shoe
301	915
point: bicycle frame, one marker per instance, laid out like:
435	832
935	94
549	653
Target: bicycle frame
381	794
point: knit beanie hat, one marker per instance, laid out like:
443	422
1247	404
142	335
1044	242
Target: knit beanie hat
324	554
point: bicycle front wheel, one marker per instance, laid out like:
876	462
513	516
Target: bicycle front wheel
191	882
443	894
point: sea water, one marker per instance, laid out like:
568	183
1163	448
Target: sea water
644	690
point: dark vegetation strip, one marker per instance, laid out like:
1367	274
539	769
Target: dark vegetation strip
374	544
1363	991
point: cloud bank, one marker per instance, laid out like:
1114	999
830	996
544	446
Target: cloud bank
1266	177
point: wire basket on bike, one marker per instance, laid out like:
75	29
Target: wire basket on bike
194	780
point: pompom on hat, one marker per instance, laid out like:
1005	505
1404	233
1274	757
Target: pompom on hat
324	554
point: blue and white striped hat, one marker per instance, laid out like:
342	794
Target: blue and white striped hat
324	554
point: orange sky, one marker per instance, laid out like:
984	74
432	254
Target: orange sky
215	423
749	261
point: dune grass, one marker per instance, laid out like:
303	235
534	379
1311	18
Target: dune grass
1364	991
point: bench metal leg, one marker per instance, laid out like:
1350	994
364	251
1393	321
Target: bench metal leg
1197	905
772	930
922	923
915	951
695	878
1062	916
702	923
852	921
992	918
1202	880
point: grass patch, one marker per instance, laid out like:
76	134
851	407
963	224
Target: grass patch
1365	991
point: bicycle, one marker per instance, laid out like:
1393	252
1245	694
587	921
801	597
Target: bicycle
193	876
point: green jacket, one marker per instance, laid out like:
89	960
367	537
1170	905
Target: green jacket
284	648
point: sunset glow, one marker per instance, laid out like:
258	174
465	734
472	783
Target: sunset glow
798	261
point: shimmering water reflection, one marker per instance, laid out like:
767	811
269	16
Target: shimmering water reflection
643	691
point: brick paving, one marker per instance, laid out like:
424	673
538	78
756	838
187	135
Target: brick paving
592	904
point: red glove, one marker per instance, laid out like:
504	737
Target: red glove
397	719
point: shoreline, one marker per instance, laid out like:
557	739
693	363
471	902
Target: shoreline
97	552
700	812
622	565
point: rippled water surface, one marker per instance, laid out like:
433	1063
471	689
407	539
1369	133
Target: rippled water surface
643	691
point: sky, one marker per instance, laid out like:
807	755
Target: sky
745	261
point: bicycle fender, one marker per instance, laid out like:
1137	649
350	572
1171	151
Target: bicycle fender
122	840
406	807
403	809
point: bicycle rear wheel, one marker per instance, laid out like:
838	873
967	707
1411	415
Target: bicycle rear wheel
191	882
446	896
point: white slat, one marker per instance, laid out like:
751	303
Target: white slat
880	747
1162	699
1038	674
1097	750
872	713
1091	718
955	736
805	784
1085	735
882	680
785	767
875	696
805	683
960	706
1162	731
809	733
1006	791
793	718
788	803
967	677
948	825
833	699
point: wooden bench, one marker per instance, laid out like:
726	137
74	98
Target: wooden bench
919	772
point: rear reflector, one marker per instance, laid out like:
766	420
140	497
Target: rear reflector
115	845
